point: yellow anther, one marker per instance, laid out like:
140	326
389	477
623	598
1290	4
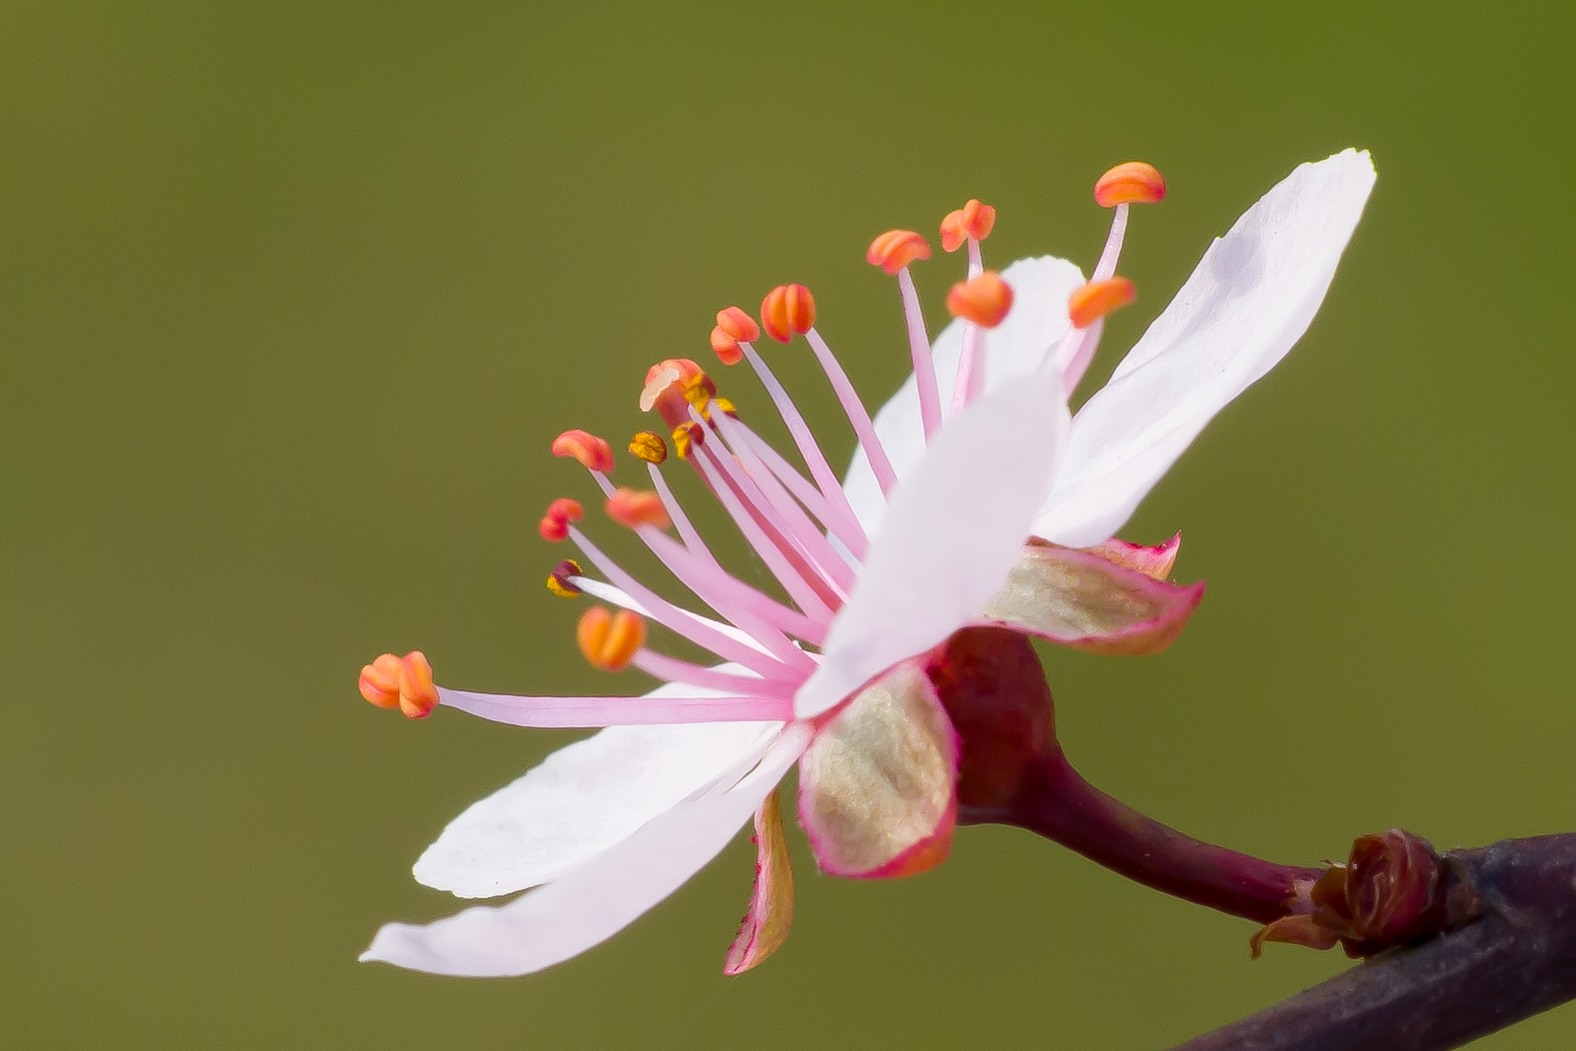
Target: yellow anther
637	507
1097	299
558	581
401	682
610	640
649	446
685	435
722	405
1132	183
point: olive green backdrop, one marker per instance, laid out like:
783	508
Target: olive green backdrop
294	295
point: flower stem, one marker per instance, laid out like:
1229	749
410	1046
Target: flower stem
1056	802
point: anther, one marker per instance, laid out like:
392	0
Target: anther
558	581
672	386
593	453
1097	299
972	220
787	309
610	640
649	446
1132	183
685	435
895	249
985	300
555	523
637	507
733	327
401	682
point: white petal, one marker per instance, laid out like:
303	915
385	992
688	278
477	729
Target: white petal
580	801
1013	350
949	538
597	899
1250	299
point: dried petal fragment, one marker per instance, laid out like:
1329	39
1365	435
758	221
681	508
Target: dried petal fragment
1080	599
765	926
877	786
1154	562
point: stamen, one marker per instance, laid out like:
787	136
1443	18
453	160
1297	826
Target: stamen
672	669
637	507
787	309
401	682
1131	183
699	630
733	327
874	451
593	453
984	301
649	446
559	581
803	438
1097	299
609	640
972	222
555	523
895	249
842	525
674	384
892	252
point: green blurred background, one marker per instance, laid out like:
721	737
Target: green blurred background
294	296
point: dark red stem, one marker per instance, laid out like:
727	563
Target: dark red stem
1055	801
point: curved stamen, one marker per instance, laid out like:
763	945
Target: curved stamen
830	487
874	451
919	351
846	529
675	619
822	555
672	669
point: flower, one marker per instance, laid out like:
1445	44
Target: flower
926	537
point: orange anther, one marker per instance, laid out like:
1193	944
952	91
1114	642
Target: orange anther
401	682
649	446
593	453
685	435
674	385
1132	183
558	581
985	300
555	523
610	640
972	220
787	309
895	249
380	681
733	326
1097	299
637	507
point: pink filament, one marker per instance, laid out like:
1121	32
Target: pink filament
1113	245
844	527
874	451
672	669
802	436
919	350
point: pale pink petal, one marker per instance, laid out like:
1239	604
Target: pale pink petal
1081	599
598	898
572	712
950	535
1250	299
878	785
581	800
765	926
1013	350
